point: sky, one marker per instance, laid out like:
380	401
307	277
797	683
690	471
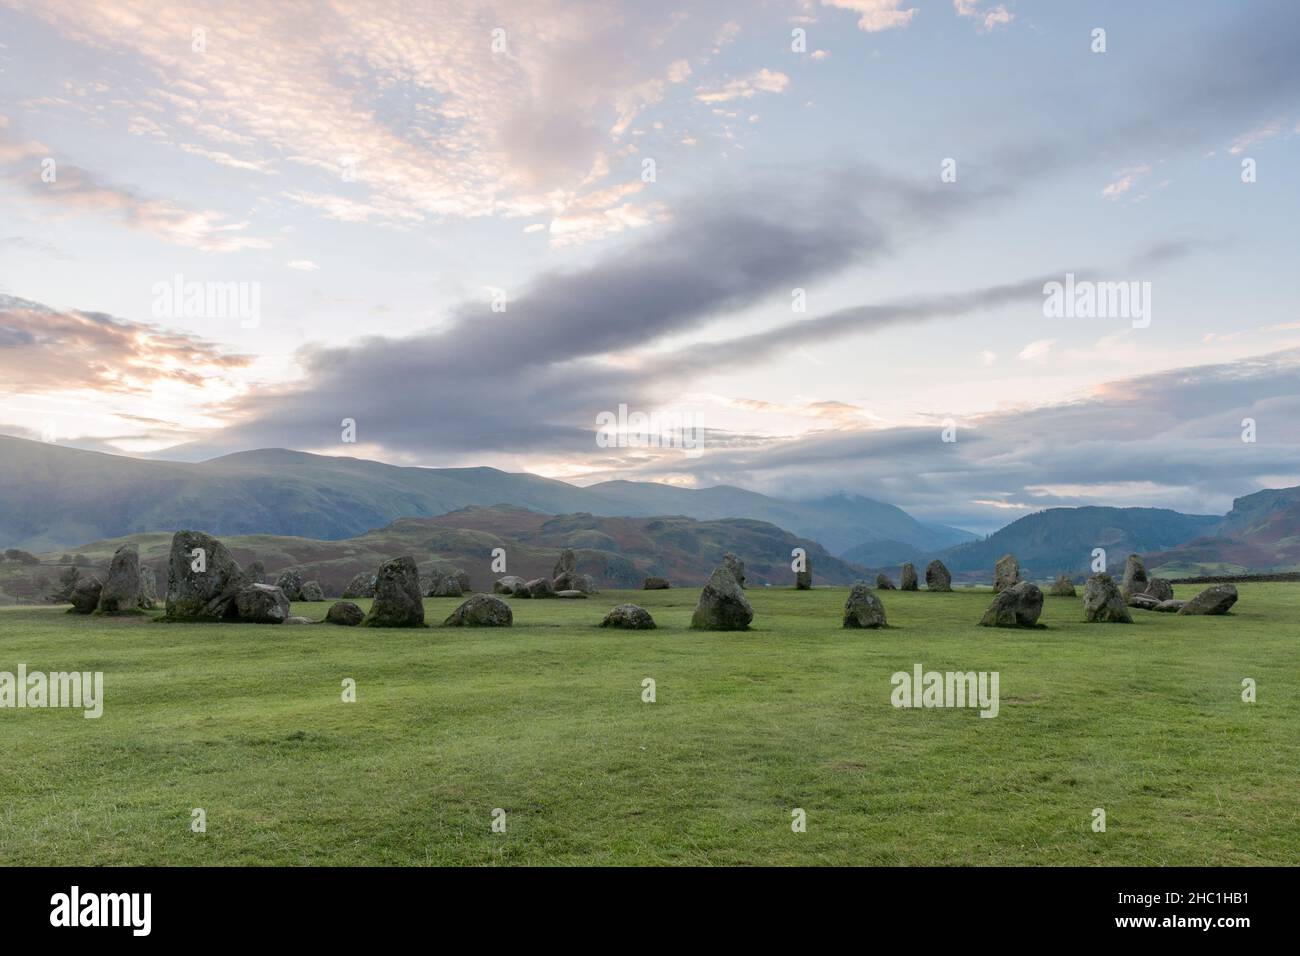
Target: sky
812	240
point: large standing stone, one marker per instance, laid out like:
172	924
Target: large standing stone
1062	587
803	579
1017	606
907	580
311	591
656	584
883	583
345	614
148	587
722	605
481	610
1135	577
398	602
201	595
540	588
85	596
863	608
262	604
362	585
630	617
1006	573
735	566
290	582
937	577
1102	602
1213	600
121	592
1160	589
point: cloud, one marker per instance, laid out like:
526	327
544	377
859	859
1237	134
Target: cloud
989	17
1036	351
303	265
746	87
1125	180
876	15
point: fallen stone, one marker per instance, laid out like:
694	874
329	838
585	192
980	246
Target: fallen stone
1172	606
344	613
1213	600
655	584
262	604
570	594
1143	602
540	588
509	584
481	610
630	617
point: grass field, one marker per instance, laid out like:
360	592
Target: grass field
546	721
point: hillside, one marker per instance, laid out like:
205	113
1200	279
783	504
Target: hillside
617	552
55	497
1261	533
1061	540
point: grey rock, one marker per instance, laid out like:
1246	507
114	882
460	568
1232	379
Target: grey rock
570	594
735	566
1160	588
937	577
345	614
1143	602
1172	606
883	583
481	610
1135	577
509	584
863	608
262	604
631	617
1006	573
290	582
1016	606
299	620
907	580
85	596
1102	602
1217	599
540	588
311	591
1062	587
722	605
446	585
567	563
148	587
398	602
207	595
361	586
121	591
462	578
655	584
803	579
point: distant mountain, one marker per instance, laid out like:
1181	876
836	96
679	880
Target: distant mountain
1260	534
617	552
55	497
1061	540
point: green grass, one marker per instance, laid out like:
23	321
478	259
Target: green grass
546	721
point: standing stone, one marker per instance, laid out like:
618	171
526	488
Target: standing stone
481	610
656	584
1102	601
1006	573
121	592
148	587
907	581
630	617
510	584
207	595
863	608
564	576
462	578
735	566
722	605
85	596
883	583
361	586
398	602
1017	606
937	577
344	614
1135	577
1062	587
262	604
290	582
311	591
540	588
1160	589
803	579
1213	600
446	585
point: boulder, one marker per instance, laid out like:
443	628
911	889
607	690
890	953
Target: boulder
344	613
630	617
735	566
1135	577
722	605
398	602
803	579
148	587
121	591
1102	602
654	584
588	584
361	586
1062	587
907	580
207	595
570	594
863	608
481	610
1160	589
1213	600
883	583
540	588
1006	573
937	577
462	578
571	581
1016	606
510	584
446	585
311	591
85	596
1172	606
1143	602
290	582
262	604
